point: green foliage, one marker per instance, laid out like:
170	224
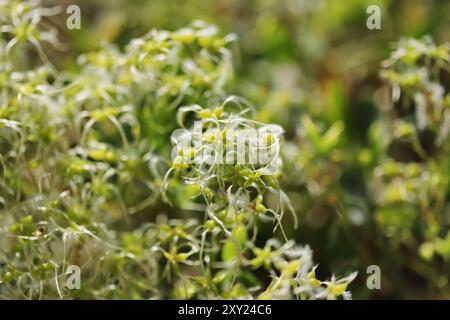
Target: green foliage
411	186
83	155
91	174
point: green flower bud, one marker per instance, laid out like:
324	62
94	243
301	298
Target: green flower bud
204	114
260	208
210	225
